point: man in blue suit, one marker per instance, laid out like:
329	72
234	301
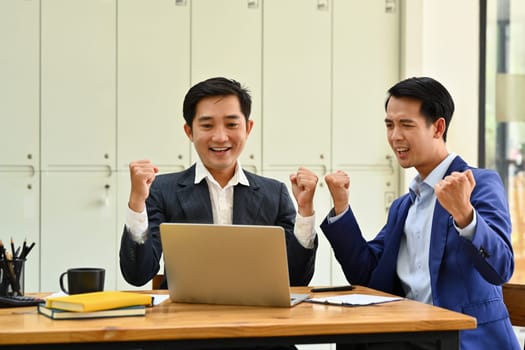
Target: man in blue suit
216	189
446	242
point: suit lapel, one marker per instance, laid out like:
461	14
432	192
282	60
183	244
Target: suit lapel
441	226
385	276
246	202
441	222
394	238
194	198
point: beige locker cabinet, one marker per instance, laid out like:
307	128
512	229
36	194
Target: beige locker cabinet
20	219
366	34
230	45
113	77
78	59
19	85
296	83
365	64
78	225
19	130
153	69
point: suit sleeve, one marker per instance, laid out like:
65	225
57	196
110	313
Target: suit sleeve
139	263
357	257
491	249
301	261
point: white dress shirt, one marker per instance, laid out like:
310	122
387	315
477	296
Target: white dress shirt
222	208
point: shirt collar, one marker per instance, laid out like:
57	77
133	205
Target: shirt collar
433	178
239	177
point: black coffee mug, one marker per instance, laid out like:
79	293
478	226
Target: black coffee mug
83	280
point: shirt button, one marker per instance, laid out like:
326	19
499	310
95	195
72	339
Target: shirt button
483	252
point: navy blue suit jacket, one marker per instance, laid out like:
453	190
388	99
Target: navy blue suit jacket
176	198
465	276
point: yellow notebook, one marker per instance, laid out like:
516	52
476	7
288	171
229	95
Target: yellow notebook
98	301
57	314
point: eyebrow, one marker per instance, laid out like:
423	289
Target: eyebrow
233	116
204	118
207	117
387	120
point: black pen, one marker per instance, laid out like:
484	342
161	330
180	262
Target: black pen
24	255
13	251
24	247
331	289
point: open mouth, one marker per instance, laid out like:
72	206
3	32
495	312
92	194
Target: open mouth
401	151
220	149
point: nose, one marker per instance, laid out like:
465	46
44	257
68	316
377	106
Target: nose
395	133
220	134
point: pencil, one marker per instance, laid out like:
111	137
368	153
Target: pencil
24	247
29	249
13	249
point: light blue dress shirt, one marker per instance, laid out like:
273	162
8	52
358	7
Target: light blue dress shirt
414	250
413	259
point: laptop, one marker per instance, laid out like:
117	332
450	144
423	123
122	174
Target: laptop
227	264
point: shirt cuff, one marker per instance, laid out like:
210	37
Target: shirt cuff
469	230
304	230
330	218
137	225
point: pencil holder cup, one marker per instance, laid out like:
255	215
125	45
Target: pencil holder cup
12	277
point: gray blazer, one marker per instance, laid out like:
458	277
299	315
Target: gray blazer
176	198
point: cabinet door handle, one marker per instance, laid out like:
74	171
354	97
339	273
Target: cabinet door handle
390	196
19	168
390	6
253	4
110	171
322	5
105	198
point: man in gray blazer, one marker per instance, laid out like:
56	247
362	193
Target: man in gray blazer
216	189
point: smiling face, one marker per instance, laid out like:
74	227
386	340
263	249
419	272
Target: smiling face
219	133
415	141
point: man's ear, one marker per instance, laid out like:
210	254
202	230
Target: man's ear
249	126
188	131
440	126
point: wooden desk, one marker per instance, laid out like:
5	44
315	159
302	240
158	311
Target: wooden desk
513	294
194	326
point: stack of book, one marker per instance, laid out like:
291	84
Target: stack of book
96	305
